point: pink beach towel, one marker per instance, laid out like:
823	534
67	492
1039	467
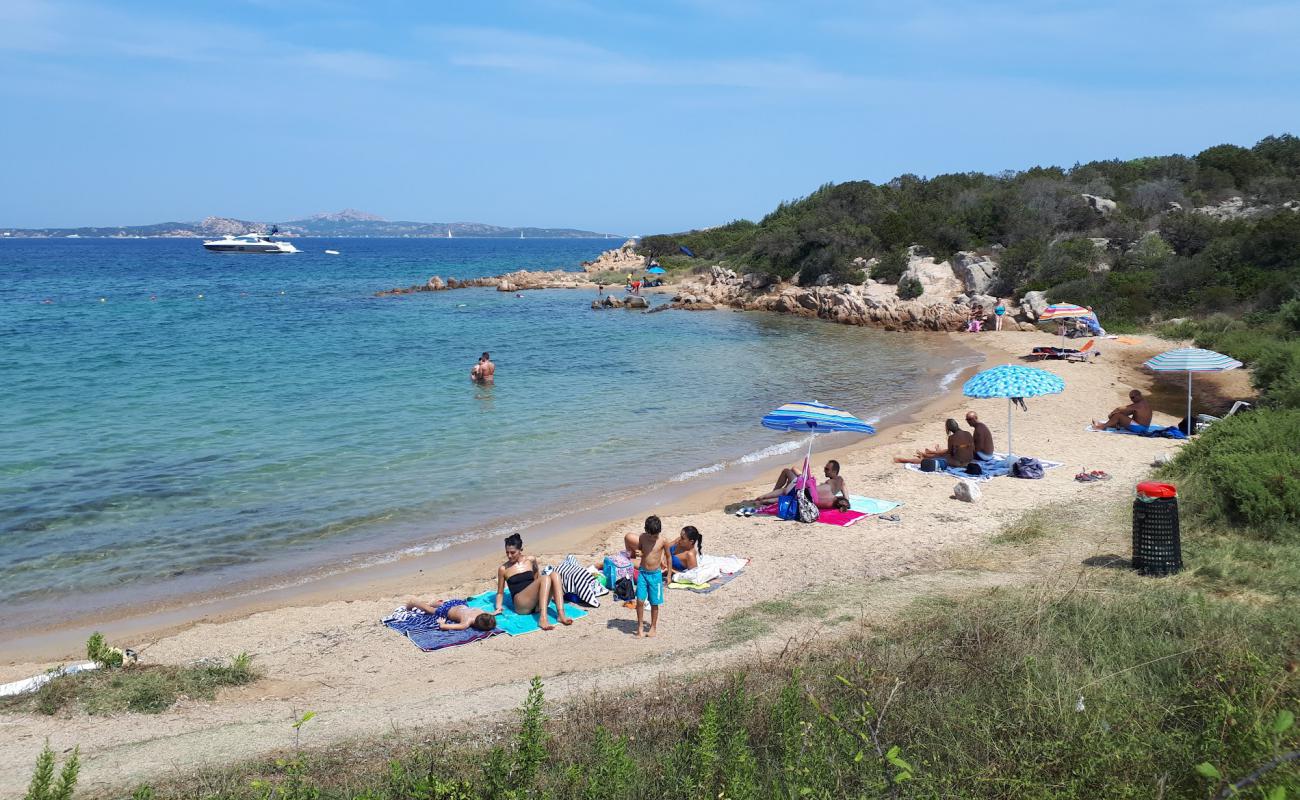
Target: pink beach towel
828	516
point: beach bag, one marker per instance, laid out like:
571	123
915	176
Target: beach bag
974	468
807	509
1027	468
933	464
624	590
787	506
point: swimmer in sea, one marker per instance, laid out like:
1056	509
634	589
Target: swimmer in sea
484	371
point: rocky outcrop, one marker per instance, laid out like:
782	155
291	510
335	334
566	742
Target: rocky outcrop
937	277
1238	208
977	273
1032	304
510	282
1101	205
623	259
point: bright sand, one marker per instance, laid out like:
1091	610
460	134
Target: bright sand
322	648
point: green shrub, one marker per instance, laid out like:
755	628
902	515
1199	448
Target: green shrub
910	288
43	785
890	267
1245	471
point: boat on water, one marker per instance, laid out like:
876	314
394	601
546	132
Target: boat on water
249	243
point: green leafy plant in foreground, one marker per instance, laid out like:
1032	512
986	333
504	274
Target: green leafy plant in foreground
44	786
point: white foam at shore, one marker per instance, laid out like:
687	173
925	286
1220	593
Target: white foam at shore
748	458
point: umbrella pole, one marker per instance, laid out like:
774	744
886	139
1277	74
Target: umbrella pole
1008	428
1191	425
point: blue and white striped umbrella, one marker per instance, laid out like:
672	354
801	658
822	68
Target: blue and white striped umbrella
1013	380
814	418
1189	360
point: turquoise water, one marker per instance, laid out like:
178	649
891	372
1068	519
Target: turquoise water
288	418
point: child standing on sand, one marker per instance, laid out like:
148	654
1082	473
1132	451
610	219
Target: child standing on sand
650	576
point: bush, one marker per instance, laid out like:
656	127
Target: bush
1245	472
910	288
890	267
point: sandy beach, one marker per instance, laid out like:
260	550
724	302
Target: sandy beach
324	650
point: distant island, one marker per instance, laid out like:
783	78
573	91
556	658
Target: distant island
346	223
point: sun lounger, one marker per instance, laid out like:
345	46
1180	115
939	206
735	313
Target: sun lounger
1066	353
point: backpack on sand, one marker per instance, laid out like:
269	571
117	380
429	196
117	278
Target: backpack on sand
1027	468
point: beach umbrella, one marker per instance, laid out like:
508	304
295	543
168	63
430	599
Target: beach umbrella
1191	359
814	418
657	270
1063	311
1012	380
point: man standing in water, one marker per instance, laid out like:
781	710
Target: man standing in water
484	370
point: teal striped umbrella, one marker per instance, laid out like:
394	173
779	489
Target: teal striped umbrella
1189	360
1013	380
813	417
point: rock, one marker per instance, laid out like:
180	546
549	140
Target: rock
1032	304
966	491
624	259
1027	327
635	301
756	281
596	305
937	278
977	273
986	300
435	284
506	286
1101	205
452	283
723	275
1161	460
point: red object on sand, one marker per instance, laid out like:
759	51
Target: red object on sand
1155	489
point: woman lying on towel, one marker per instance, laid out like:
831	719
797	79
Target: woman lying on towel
455	615
530	590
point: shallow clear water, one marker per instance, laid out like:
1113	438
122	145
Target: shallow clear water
289	417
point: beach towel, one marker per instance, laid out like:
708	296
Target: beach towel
422	629
712	572
514	623
1152	432
704	588
870	505
828	516
994	467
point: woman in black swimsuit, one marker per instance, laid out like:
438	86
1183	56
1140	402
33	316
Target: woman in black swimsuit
529	590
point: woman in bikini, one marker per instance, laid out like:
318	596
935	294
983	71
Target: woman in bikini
530	590
688	548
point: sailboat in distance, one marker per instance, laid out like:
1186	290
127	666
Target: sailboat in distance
449	236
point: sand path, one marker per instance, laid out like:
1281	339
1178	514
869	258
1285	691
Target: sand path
363	680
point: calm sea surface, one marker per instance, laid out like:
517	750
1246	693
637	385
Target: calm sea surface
220	415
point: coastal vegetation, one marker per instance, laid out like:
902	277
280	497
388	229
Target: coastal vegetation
1141	239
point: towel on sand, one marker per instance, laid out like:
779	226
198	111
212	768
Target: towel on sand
514	623
994	467
712	572
422	629
828	516
1152	432
870	505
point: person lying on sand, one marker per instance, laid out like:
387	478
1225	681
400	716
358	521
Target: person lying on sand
959	452
1125	418
530	590
829	493
983	436
455	615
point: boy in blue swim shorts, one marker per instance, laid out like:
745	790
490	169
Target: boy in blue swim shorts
650	576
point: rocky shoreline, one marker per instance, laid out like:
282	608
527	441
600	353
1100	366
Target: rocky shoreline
949	291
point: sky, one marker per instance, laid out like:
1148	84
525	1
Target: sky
623	117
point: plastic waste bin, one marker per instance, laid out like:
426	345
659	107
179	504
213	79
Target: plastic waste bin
1157	549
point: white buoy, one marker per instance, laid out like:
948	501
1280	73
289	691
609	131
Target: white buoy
332	252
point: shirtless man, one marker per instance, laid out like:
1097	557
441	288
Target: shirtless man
1125	418
959	452
483	371
829	492
983	436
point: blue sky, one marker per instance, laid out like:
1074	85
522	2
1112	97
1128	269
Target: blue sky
623	117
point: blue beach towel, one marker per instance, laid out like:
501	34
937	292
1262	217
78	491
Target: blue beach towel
994	467
870	505
1151	431
422	630
511	622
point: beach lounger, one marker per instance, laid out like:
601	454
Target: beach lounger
1065	353
1204	421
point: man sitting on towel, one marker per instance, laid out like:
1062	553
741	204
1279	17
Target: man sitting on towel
983	436
959	452
830	494
1135	417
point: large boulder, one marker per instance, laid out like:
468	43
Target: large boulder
977	273
1032	304
435	284
986	300
506	286
624	259
635	301
1101	205
723	275
937	278
756	281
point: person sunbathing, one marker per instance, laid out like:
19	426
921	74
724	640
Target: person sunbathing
982	435
530	590
959	452
1136	416
829	493
455	615
688	548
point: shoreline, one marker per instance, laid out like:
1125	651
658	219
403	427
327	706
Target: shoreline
361	576
330	654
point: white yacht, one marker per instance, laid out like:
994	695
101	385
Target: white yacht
249	243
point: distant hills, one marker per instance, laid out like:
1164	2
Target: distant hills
346	223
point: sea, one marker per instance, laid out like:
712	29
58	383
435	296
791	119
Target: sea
175	421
